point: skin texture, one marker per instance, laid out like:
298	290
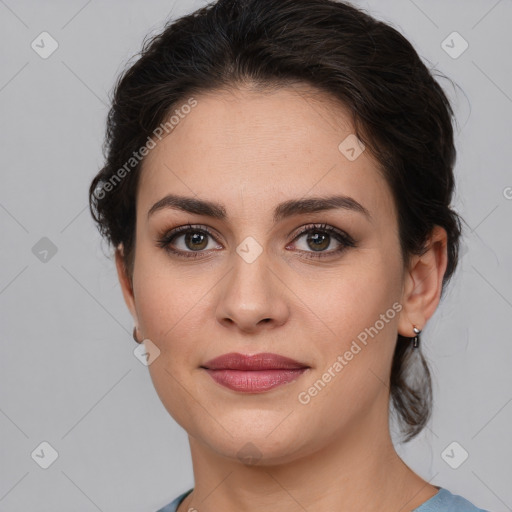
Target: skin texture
251	150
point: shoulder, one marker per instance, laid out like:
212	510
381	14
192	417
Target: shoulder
171	507
445	501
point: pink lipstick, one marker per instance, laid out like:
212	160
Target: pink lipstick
253	374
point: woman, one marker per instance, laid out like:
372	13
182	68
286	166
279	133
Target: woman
277	187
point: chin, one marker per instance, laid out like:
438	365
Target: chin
259	452
265	445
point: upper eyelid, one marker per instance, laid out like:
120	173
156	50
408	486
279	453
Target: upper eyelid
320	226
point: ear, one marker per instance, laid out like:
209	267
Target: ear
423	284
125	282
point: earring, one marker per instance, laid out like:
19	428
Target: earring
416	340
135	335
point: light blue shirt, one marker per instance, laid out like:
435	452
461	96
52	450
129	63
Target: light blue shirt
443	501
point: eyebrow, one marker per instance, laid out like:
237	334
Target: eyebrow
282	210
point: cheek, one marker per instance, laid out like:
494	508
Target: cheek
164	292
167	307
360	291
362	309
173	306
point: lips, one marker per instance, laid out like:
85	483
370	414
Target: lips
253	374
256	362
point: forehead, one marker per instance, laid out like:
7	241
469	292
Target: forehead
261	147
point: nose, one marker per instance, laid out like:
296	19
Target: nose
252	298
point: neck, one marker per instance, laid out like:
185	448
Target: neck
359	469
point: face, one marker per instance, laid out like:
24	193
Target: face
322	286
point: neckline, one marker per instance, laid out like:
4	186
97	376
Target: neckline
433	499
185	494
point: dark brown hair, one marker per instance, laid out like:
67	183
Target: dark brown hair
398	109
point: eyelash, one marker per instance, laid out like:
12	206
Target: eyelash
345	240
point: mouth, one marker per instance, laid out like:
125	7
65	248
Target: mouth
253	374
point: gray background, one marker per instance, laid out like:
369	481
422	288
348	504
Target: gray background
68	375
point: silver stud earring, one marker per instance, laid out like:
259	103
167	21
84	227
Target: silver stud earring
416	340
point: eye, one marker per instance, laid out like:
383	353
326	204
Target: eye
320	237
194	241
